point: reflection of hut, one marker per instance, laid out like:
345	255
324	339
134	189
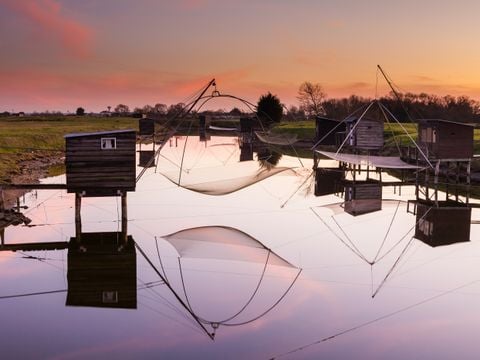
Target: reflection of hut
146	126
101	275
246	130
202	128
327	129
101	163
445	224
364	134
146	158
443	139
327	180
362	197
246	151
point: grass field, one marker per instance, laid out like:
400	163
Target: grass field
24	138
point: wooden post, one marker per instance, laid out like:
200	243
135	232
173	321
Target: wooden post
469	166
124	217
457	180
78	217
437	172
2	202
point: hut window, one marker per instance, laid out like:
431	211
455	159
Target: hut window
426	227
429	135
108	143
110	297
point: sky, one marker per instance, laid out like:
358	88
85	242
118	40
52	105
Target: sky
58	55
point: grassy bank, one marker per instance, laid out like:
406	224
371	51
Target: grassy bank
34	137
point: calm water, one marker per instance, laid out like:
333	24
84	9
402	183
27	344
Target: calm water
426	308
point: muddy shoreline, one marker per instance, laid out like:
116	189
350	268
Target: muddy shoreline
30	172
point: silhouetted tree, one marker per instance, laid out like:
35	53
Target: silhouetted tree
236	112
122	109
269	109
160	109
311	97
80	111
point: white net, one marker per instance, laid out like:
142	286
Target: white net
223	243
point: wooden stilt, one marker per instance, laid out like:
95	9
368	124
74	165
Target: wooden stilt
124	217
78	217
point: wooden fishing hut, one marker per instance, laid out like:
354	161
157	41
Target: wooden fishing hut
100	164
443	224
445	150
327	130
146	158
146	126
362	197
102	271
364	133
328	180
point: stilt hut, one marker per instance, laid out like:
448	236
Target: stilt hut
362	197
364	134
146	158
327	129
102	272
328	181
146	126
443	139
445	224
101	163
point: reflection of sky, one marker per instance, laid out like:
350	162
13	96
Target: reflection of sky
332	294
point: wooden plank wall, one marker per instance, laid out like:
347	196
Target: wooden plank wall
100	172
369	134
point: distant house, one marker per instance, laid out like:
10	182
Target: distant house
442	139
101	163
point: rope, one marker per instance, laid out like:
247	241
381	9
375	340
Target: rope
223	322
399	257
377	319
388	231
406	132
356	252
272	307
160	259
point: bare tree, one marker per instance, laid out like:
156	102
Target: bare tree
311	97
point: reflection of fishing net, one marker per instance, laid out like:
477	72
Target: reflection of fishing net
226	244
387	239
276	139
218	167
217	242
225	180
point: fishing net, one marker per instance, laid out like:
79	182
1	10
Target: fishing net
276	139
223	243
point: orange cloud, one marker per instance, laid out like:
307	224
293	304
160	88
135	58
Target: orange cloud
46	16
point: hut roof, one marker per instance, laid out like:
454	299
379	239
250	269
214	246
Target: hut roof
443	121
111	132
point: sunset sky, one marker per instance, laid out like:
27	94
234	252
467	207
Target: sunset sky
61	54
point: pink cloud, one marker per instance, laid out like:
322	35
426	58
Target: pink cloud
46	16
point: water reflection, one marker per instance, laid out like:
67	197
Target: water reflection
330	300
102	271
